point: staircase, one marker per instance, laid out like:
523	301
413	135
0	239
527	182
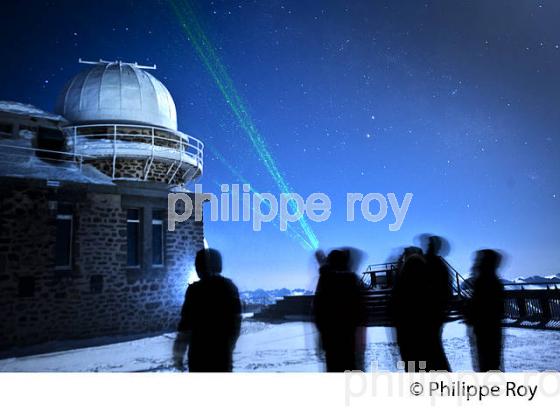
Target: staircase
526	308
299	308
376	302
376	282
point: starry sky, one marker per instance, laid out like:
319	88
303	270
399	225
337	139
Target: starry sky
453	101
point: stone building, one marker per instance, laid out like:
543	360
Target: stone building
84	245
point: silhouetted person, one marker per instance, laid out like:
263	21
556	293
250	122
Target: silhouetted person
409	310
339	312
438	297
485	310
210	318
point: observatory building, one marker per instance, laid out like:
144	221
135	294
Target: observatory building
84	245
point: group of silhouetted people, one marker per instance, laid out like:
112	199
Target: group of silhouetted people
418	309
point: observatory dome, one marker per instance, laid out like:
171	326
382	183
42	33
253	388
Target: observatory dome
117	92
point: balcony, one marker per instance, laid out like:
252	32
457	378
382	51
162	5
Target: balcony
181	155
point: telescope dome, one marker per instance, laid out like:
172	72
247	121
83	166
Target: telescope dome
117	92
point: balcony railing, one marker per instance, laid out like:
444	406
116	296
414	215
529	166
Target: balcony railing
13	153
137	141
538	308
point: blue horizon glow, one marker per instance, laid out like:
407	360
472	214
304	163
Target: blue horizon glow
456	102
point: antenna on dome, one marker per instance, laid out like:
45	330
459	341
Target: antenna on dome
105	62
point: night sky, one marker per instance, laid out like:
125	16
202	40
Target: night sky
454	101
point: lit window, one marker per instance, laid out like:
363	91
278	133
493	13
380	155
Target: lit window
133	237
63	246
157	238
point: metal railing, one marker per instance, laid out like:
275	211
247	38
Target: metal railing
17	153
539	308
182	154
370	279
157	142
521	286
381	267
460	285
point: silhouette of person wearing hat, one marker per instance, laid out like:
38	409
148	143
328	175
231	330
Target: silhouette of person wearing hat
210	318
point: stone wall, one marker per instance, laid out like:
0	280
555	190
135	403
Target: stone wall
99	295
26	251
134	168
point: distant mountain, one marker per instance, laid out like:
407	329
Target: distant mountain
528	283
268	297
533	282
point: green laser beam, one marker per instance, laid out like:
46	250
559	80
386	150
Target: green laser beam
291	232
209	57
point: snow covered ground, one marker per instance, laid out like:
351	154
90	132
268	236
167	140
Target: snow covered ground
288	347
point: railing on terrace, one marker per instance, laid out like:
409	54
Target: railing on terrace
182	153
542	285
539	308
461	286
371	278
17	153
158	141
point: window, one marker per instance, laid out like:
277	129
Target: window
51	140
157	238
63	246
133	237
5	129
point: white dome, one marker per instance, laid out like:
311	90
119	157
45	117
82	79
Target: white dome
117	92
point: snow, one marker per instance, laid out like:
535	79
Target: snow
288	347
107	148
533	282
19	161
28	109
